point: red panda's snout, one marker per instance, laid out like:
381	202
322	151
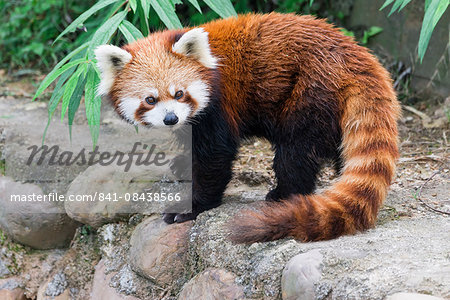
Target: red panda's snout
170	119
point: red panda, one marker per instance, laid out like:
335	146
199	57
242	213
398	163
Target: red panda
295	80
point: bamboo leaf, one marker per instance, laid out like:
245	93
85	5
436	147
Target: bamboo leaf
196	5
143	14
55	74
50	77
223	8
166	12
74	103
386	3
70	88
58	92
104	32
433	13
405	2
84	16
396	6
129	31
133	4
56	97
92	104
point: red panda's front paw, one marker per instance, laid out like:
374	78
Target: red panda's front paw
171	218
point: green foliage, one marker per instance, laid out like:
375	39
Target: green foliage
2	166
372	31
434	9
126	20
87	230
28	28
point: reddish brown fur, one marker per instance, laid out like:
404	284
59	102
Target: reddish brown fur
280	60
367	104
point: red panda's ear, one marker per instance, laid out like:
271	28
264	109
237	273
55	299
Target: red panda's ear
195	44
110	60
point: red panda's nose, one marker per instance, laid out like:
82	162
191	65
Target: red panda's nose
170	119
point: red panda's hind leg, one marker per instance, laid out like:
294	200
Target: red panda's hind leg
295	168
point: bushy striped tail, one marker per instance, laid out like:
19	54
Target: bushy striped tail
369	151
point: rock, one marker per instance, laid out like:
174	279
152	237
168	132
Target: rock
10	283
57	285
159	251
301	275
258	267
408	119
65	295
55	288
4	271
19	137
12	289
212	284
406	253
120	186
16	294
115	251
38	224
411	296
101	289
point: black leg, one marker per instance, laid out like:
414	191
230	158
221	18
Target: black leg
212	156
296	169
210	178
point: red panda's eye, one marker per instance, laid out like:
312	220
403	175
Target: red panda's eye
151	100
178	95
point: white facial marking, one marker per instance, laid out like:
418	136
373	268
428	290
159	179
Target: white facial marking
110	59
195	43
128	107
172	90
152	92
156	115
200	92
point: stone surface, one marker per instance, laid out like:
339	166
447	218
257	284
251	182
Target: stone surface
10	283
65	295
4	271
12	289
115	251
101	289
159	251
301	275
55	288
40	225
16	294
405	254
111	180
212	284
412	296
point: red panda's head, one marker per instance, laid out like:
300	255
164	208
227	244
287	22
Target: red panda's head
159	80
